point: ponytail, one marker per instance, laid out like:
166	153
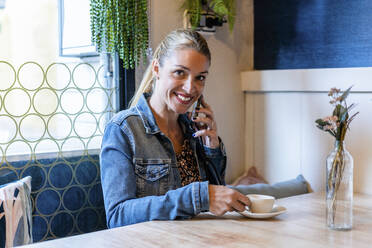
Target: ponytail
145	86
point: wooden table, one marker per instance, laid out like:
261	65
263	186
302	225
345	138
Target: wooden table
303	225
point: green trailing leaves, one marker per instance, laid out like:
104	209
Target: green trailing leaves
120	26
223	9
232	13
194	8
219	7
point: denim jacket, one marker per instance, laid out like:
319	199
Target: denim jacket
139	174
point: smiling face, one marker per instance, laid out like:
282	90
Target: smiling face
180	80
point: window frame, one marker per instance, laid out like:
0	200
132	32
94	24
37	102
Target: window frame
124	78
61	18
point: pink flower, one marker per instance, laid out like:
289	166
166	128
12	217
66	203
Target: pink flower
334	91
327	127
334	118
332	123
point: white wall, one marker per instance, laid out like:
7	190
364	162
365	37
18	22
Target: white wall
230	54
281	136
271	125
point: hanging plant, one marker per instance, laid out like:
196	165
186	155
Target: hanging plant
120	26
194	9
224	10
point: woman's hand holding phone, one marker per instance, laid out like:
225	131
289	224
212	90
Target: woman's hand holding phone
205	124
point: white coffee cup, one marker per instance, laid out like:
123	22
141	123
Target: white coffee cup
261	203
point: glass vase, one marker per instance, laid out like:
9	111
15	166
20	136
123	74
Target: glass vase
339	188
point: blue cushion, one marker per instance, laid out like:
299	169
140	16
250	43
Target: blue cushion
288	188
7	176
66	195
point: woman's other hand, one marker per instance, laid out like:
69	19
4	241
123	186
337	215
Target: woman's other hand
223	199
207	127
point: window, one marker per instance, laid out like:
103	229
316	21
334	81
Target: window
74	29
56	94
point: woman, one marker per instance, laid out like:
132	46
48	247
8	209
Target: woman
156	163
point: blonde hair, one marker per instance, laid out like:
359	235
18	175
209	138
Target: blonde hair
176	40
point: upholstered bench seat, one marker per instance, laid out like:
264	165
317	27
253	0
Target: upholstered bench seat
66	194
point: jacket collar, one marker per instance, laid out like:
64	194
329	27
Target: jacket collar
148	118
146	114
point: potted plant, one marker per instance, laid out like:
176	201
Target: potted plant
209	13
120	26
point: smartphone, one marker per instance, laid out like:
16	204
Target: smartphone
195	113
196	106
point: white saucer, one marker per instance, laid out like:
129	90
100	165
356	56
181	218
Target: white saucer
274	212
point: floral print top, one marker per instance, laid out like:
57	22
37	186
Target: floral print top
186	164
